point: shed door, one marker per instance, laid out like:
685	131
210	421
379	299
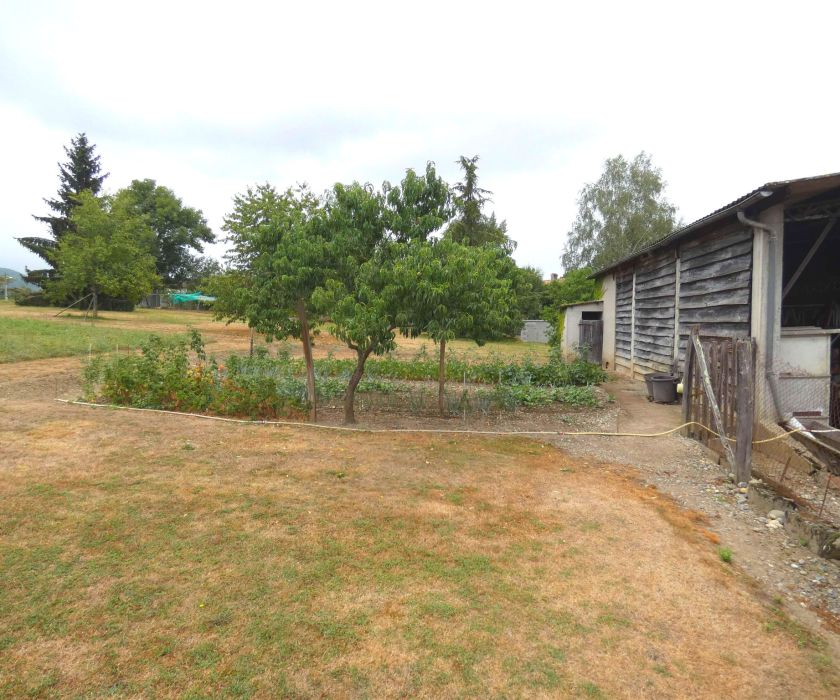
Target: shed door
591	340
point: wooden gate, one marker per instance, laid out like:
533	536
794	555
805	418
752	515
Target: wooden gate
591	340
718	388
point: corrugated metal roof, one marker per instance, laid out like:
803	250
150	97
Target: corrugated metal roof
757	195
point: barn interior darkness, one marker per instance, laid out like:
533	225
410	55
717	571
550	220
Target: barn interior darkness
811	275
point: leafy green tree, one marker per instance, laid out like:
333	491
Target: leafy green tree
619	214
199	269
527	286
471	226
106	252
574	287
449	290
364	230
278	260
81	172
179	230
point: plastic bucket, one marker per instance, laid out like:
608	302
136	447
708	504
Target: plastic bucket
664	388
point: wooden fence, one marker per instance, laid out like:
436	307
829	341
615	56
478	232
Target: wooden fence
718	392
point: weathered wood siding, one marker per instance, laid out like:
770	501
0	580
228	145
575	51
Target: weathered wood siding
623	318
653	344
715	285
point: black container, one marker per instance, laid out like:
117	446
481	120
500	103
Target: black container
664	388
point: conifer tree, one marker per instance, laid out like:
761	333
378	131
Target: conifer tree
81	172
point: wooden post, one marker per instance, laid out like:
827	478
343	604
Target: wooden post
746	398
688	387
713	404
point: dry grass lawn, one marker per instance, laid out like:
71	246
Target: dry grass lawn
144	555
154	556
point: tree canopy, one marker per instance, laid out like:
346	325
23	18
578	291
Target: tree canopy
278	260
365	230
106	252
574	287
621	212
449	290
179	230
82	172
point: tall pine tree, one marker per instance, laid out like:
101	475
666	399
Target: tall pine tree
81	172
472	226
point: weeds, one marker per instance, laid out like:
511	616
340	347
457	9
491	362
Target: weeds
725	555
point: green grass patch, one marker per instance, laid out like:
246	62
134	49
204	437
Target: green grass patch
34	339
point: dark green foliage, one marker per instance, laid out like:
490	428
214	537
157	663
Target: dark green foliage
471	226
106	253
81	172
574	287
527	285
619	214
178	230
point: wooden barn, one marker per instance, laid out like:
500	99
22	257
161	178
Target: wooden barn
766	266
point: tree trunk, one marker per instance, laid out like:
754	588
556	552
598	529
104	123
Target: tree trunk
350	394
95	303
442	379
307	357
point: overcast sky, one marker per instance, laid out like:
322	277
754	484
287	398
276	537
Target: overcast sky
208	98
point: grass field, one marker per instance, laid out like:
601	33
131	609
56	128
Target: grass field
34	339
33	333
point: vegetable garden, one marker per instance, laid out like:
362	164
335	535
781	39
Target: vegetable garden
177	374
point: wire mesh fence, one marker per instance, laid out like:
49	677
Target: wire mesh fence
801	396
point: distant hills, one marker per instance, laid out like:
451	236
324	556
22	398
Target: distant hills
17	281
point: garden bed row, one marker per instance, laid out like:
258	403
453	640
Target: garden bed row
176	374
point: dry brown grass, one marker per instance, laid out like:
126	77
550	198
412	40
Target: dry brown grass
154	556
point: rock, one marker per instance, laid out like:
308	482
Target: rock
776	515
731	477
774	524
742	485
756	482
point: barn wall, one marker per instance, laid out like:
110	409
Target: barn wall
715	285
654	318
706	282
623	319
